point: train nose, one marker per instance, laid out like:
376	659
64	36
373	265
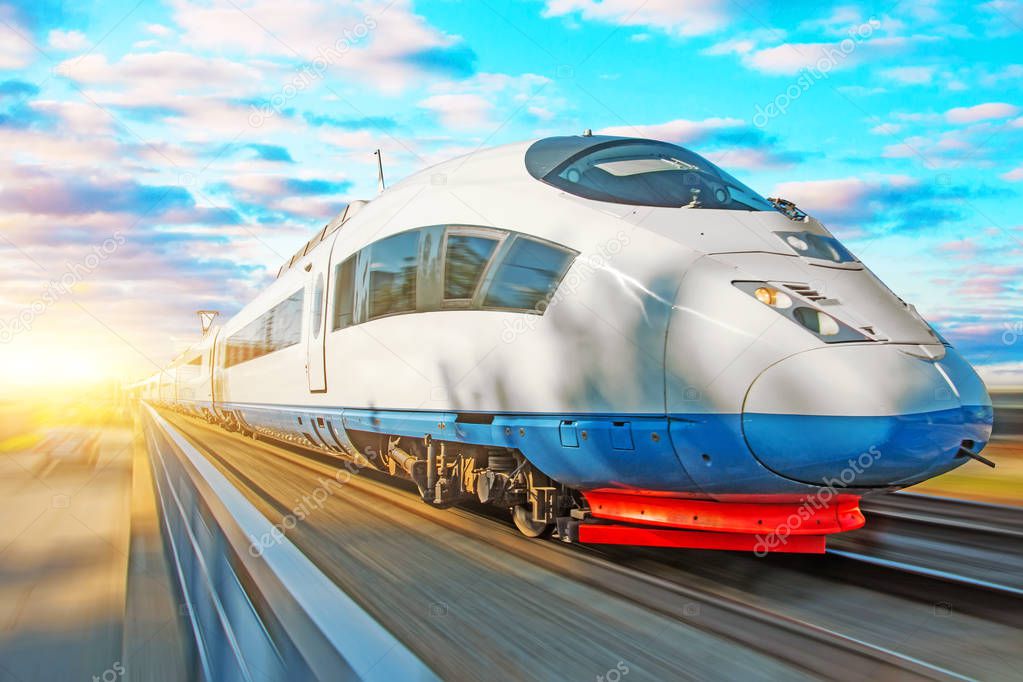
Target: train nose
866	415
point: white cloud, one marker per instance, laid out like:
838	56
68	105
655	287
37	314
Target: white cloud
68	41
159	30
460	111
836	23
886	129
541	113
1004	17
177	83
15	51
748	158
691	18
374	41
910	75
77	118
850	40
161	74
1002	374
936	151
860	91
64	150
472	102
790	58
739	150
981	112
731	46
841	195
682	131
925	10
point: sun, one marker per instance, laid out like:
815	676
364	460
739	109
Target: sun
35	368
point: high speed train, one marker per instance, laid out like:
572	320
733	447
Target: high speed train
611	337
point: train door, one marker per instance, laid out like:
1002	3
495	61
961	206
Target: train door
212	374
219	358
315	365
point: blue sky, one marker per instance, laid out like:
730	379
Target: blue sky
202	141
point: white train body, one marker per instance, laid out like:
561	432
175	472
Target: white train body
658	364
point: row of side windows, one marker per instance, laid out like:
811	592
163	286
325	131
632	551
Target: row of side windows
277	328
448	267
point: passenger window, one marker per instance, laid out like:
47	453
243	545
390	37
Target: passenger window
344	293
527	276
286	322
278	328
465	260
392	274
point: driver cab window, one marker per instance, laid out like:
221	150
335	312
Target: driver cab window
653	174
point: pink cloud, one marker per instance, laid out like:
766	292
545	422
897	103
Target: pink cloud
965	249
460	111
838	195
680	130
981	112
1015	175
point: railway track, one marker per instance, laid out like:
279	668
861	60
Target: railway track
972	545
816	649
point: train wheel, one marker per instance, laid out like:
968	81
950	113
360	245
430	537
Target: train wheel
522	514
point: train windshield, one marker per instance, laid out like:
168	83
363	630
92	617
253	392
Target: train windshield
649	173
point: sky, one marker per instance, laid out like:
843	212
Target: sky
165	157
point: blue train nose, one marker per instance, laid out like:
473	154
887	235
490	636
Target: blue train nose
866	415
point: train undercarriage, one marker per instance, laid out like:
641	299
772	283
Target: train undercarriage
447	473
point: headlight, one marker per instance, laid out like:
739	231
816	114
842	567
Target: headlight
826	327
772	297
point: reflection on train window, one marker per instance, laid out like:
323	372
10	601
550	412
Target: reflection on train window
344	293
650	173
465	259
392	274
197	360
284	327
479	268
527	276
278	328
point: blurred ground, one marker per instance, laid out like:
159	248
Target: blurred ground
69	548
69	554
975	481
63	554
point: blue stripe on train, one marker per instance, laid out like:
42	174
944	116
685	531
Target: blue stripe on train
695	453
876	451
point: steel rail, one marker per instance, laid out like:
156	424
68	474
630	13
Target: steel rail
817	649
